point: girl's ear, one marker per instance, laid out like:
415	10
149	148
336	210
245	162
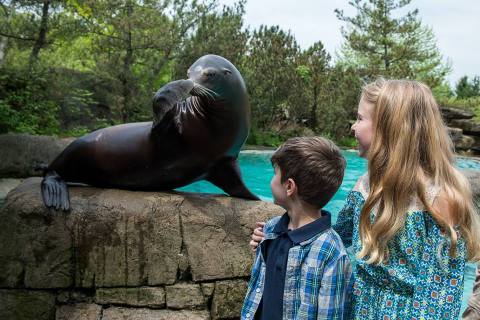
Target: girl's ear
291	187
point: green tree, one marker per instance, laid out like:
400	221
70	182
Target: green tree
381	43
270	70
217	32
467	89
315	63
29	23
135	42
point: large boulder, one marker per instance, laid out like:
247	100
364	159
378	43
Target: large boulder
474	177
450	113
22	153
455	134
469	126
115	238
26	305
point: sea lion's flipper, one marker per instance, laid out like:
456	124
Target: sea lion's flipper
55	191
226	175
168	96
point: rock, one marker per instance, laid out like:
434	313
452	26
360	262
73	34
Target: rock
118	238
464	142
147	314
21	153
207	289
450	113
110	238
228	298
469	126
125	238
184	296
26	305
153	297
74	297
6	185
216	232
36	250
455	134
183	267
81	311
473	177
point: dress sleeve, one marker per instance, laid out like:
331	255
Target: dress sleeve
344	224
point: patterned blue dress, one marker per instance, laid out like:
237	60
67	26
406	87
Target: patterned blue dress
419	281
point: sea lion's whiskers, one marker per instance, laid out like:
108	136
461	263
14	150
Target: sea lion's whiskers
210	92
204	92
198	107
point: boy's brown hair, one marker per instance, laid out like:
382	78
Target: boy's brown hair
315	164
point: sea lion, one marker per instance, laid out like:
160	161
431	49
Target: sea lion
199	126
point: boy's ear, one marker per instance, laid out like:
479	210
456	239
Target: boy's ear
291	187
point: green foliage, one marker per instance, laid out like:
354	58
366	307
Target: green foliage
83	65
379	43
25	106
442	91
468	89
218	32
347	142
264	138
472	104
276	136
270	75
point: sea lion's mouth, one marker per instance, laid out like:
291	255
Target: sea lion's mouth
203	92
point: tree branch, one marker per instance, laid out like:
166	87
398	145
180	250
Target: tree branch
16	37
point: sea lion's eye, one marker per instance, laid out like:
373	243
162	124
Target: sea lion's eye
226	71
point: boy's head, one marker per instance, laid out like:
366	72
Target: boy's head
312	167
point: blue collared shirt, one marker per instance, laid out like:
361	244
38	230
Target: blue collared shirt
318	275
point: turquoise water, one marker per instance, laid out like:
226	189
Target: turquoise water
257	172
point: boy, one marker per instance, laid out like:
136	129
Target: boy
301	270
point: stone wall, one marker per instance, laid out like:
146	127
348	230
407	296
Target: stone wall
22	153
125	255
464	130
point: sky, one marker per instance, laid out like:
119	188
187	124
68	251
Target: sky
455	23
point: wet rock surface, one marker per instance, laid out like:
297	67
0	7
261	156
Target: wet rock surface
125	255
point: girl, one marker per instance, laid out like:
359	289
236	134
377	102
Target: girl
410	219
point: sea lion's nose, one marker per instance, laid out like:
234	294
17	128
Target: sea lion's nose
209	72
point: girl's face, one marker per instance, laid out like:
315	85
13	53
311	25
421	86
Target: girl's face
362	128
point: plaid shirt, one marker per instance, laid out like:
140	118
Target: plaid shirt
318	279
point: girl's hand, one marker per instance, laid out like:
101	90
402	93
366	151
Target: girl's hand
257	235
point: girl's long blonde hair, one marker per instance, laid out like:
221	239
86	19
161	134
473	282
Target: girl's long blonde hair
410	143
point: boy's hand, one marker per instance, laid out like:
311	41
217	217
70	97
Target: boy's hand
257	235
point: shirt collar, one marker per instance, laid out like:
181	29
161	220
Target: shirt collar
306	232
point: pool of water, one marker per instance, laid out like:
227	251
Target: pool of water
257	172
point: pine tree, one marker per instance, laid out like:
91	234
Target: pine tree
383	43
466	88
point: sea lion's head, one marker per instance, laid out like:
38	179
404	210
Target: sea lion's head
219	76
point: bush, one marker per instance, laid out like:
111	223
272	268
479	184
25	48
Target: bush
25	106
472	104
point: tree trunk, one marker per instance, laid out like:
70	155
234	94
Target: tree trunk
42	34
313	111
126	72
3	46
385	47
